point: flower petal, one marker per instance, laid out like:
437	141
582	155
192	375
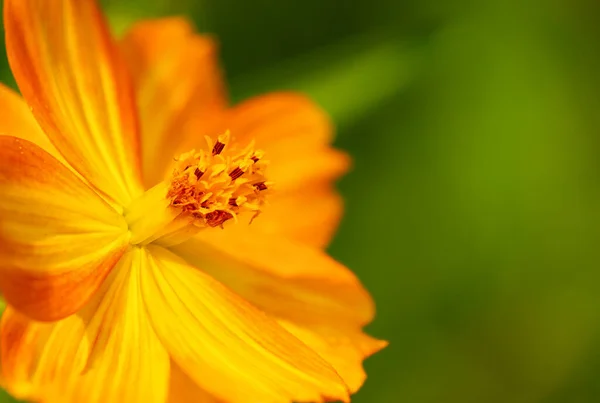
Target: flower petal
183	389
289	280
70	72
37	355
315	298
295	134
277	119
58	238
301	172
18	121
228	347
293	131
321	210
345	350
19	341
106	353
178	83
310	217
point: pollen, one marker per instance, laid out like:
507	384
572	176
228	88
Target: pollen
220	183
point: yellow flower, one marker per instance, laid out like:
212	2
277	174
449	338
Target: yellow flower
121	284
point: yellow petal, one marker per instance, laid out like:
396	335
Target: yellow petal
295	135
284	278
70	72
302	172
178	82
18	121
277	121
232	350
106	353
344	349
183	389
293	132
58	238
315	298
19	340
309	217
37	355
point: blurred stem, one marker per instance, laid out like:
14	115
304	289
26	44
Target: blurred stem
349	79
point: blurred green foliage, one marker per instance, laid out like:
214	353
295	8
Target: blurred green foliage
473	209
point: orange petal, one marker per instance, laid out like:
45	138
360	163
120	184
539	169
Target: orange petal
70	72
178	82
58	238
36	355
292	130
18	121
232	350
106	353
183	389
315	298
295	135
344	350
280	119
286	279
302	172
309	217
19	342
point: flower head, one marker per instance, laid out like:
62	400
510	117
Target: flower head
215	186
127	185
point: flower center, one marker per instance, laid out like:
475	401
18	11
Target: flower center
206	189
218	185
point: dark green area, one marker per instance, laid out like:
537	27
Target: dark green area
473	210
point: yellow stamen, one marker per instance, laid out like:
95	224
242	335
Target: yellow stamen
216	186
207	188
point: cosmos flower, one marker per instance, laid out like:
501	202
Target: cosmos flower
157	244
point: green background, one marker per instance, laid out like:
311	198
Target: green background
473	208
